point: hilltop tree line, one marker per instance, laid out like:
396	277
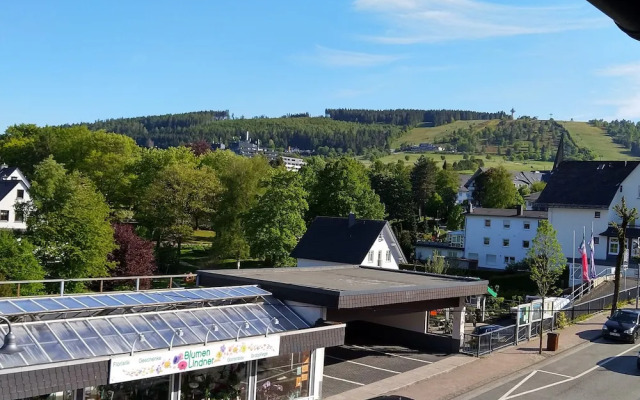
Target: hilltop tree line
295	130
407	117
522	139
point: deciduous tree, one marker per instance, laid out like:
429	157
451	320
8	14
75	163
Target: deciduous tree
626	216
495	189
276	222
133	256
423	182
19	262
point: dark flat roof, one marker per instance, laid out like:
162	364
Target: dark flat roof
348	287
507	212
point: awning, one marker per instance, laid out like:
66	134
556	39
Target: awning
101	337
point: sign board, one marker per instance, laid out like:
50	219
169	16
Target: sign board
149	364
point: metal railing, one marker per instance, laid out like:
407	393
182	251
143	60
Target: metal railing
98	284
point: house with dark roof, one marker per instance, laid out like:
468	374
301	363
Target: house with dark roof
14	188
580	197
334	241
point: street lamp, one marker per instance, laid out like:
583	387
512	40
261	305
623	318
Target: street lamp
141	339
178	332
9	345
274	321
244	326
206	338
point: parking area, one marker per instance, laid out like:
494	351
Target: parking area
353	365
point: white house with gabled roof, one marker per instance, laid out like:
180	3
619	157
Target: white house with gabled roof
335	241
14	189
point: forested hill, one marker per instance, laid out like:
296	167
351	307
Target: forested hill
406	117
298	130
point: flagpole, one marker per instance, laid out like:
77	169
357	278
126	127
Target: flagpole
573	263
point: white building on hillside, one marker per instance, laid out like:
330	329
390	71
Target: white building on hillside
497	237
582	194
332	241
14	188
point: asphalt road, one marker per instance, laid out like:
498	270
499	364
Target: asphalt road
600	370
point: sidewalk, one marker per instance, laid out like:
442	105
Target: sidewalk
459	374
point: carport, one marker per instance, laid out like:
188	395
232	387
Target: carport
375	302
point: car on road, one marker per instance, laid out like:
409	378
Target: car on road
479	330
623	325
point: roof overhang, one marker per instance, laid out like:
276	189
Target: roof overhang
349	287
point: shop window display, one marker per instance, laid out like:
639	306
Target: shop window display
228	382
144	389
284	377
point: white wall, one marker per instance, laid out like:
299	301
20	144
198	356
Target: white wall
631	193
308	312
8	203
380	248
305	262
475	232
567	220
416	322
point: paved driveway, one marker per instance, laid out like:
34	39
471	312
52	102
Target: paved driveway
350	366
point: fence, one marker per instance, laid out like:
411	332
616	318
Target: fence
477	345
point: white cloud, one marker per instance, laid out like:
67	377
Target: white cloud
626	96
427	21
342	58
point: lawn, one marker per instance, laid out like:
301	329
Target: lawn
429	135
495	161
596	140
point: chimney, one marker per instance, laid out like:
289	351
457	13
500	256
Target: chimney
352	219
519	209
470	208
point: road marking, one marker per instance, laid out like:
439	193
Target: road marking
607	361
513	389
391	354
364	365
555	373
343	380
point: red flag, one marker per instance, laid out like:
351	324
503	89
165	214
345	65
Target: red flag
585	264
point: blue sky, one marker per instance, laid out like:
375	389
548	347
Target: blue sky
73	61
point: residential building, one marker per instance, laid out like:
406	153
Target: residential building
452	247
581	195
497	237
519	178
14	189
333	241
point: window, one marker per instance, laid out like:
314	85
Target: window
473	256
527	225
596	240
371	256
19	217
4	215
613	244
20	194
509	260
491	259
487	241
597	214
487	222
452	254
388	255
505	242
506	224
525	244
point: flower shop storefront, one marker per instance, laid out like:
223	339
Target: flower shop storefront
232	343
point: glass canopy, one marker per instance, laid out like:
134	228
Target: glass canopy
84	338
18	306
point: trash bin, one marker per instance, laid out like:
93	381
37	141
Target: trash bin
552	341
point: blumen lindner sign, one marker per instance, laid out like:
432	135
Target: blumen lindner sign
150	364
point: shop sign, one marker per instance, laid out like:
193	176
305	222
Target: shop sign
150	364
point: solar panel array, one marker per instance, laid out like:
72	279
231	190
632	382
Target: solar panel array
17	306
74	339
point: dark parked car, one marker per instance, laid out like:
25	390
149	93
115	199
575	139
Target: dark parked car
485	329
623	325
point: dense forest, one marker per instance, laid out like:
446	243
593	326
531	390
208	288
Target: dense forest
522	139
410	118
626	133
295	130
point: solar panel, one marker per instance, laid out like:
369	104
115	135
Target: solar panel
17	306
45	342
